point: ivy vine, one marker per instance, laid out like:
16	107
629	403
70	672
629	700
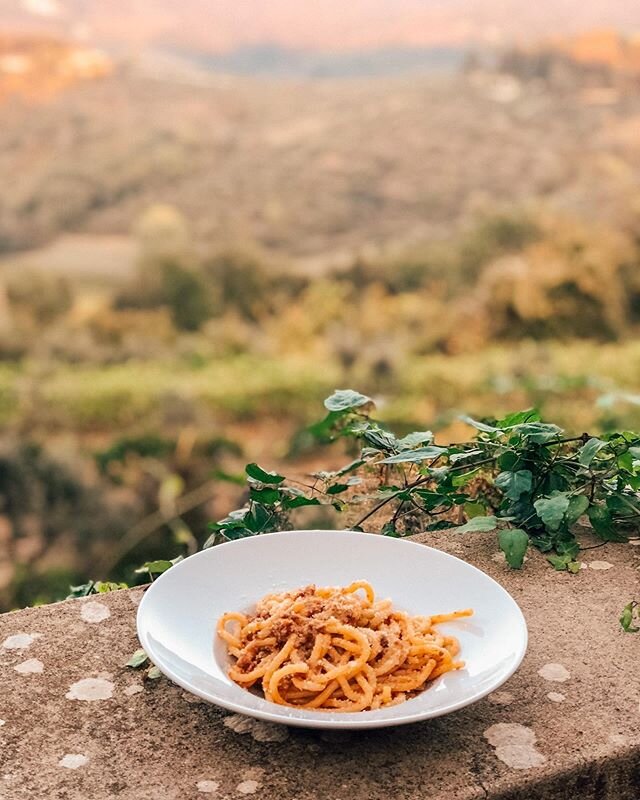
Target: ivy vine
518	475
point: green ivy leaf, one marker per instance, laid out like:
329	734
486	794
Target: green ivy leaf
474	509
603	525
543	543
627	618
480	426
259	474
566	544
343	400
82	590
538	432
299	502
478	524
508	460
326	429
454	458
235	526
560	563
464	478
380	439
415	456
518	417
601	521
625	461
103	587
432	500
138	659
589	451
513	543
155	567
578	504
337	488
388	529
414	440
258	518
266	495
237	533
153	673
514	484
551	510
623	504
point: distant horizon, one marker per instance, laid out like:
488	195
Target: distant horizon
224	27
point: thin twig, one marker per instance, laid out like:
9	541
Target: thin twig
583	438
313	488
152	522
593	546
419	482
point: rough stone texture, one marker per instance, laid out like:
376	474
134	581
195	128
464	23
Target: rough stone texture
126	737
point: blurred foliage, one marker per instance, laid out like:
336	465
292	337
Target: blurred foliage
137	396
519	475
185	293
247	282
52	521
37	297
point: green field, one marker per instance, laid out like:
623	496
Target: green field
577	384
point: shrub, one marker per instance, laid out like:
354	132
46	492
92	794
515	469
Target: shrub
407	270
41	297
491	237
52	516
179	288
572	283
185	292
242	280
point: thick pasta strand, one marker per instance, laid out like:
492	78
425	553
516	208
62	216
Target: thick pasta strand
337	649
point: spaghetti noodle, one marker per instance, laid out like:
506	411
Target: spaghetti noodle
336	649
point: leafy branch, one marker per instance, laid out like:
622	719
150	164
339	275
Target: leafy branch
519	476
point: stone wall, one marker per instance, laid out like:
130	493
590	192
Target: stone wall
76	724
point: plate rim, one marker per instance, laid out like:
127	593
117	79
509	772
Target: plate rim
349	721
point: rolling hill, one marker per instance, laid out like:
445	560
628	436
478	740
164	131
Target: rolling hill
313	168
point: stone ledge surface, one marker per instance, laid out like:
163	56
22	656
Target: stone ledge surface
77	725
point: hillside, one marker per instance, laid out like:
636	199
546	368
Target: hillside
313	168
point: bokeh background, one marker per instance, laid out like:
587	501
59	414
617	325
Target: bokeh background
214	212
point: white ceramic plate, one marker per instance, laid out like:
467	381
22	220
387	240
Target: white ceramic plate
178	614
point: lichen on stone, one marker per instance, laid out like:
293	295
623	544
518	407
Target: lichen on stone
501	698
93	612
207	787
248	787
90	689
514	745
29	667
20	641
73	761
554	672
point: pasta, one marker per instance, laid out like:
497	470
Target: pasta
336	649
